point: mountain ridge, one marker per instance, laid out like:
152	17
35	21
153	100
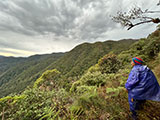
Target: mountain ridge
70	64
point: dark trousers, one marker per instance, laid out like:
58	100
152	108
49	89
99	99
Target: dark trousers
135	105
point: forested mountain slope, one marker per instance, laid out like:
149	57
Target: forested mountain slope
98	94
72	63
7	62
83	56
20	72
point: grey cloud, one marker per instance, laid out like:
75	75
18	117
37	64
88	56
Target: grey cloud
74	21
97	22
40	17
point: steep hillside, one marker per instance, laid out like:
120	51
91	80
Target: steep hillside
73	63
78	60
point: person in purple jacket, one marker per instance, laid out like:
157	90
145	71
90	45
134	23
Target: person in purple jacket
141	85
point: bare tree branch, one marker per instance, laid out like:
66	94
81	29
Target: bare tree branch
156	20
152	12
131	26
136	14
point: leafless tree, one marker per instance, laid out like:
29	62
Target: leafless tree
136	16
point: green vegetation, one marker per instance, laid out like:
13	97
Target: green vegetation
109	64
94	94
17	77
72	64
49	77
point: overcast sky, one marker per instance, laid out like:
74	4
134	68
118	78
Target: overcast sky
30	27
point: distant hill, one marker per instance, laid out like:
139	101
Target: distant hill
17	73
21	72
7	62
1	56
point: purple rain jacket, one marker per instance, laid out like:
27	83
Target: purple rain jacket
142	84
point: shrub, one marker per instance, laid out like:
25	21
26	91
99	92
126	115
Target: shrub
47	77
109	64
93	79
